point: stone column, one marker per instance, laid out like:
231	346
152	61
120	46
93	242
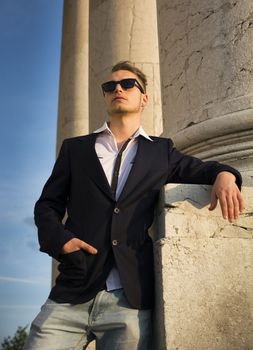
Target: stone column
206	56
73	107
124	30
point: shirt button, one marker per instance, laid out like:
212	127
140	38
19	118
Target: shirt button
114	242
116	210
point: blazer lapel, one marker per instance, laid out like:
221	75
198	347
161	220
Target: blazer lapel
92	164
141	166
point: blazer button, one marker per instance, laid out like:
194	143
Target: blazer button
115	242
116	210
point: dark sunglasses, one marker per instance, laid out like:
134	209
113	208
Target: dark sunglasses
128	83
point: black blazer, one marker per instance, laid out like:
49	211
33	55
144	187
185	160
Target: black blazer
117	229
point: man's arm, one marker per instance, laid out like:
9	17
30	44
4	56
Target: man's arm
226	180
50	209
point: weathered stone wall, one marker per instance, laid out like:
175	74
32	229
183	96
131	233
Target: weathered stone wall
206	57
204	269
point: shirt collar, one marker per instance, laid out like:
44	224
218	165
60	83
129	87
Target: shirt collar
140	131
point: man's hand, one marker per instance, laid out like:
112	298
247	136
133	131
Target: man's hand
226	191
77	244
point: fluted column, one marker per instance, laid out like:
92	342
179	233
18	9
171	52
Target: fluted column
73	111
73	104
206	55
124	30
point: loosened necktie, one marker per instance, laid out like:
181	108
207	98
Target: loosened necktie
115	174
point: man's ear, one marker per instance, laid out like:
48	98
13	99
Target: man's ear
144	100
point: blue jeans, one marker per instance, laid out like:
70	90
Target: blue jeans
108	318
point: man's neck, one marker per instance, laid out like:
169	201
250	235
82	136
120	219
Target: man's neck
123	127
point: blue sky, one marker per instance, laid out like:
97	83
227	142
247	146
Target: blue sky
30	39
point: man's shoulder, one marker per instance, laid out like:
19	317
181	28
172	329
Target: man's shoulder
162	140
76	139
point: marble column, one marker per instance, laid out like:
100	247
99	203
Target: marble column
206	56
73	107
124	30
73	104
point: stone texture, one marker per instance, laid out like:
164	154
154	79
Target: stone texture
206	60
228	139
204	269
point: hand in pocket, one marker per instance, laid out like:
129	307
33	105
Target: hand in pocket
77	244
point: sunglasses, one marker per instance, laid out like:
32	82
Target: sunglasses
128	83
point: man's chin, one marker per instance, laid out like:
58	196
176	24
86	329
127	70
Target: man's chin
119	111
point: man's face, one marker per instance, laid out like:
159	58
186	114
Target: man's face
124	101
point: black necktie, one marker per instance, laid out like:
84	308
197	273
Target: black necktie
115	174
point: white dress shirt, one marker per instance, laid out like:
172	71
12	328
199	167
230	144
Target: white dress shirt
107	151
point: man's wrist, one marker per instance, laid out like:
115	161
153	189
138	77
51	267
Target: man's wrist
227	174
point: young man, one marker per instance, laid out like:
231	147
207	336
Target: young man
109	183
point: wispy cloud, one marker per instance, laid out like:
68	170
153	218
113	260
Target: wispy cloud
23	280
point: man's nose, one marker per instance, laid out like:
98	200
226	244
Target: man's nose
118	87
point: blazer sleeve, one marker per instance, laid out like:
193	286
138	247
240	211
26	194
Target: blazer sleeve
51	207
191	170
